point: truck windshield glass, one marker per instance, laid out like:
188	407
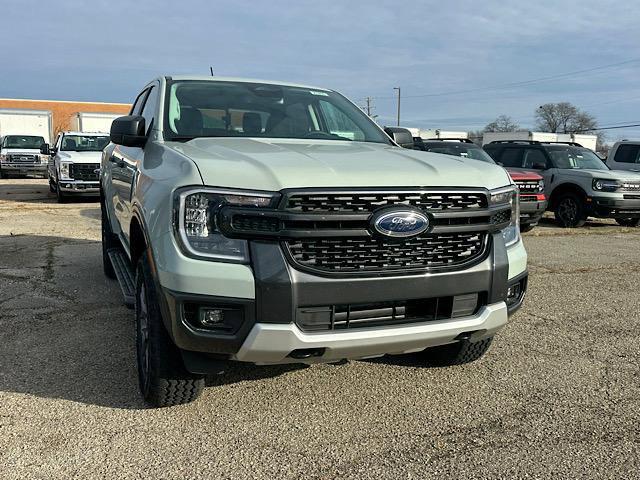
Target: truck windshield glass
22	141
464	150
238	109
575	157
84	143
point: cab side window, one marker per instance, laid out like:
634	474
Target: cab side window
149	109
627	154
511	157
535	159
137	105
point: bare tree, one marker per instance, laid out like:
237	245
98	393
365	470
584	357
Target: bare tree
564	117
503	123
475	136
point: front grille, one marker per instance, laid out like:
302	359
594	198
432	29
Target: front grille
368	202
23	159
342	317
630	187
84	172
528	186
365	254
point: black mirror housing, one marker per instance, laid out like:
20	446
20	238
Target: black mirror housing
45	149
401	136
128	131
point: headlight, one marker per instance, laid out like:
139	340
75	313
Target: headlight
195	221
3	158
540	186
64	170
43	158
603	185
508	195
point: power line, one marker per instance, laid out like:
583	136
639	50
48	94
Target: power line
608	128
521	83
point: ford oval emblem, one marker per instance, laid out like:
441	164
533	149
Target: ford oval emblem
400	223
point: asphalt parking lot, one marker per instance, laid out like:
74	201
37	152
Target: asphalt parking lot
558	394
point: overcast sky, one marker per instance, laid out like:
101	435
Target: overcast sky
105	50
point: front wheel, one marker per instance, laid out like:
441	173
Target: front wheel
458	353
570	212
628	222
163	379
59	195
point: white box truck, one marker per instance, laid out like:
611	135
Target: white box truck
90	122
26	122
588	141
431	133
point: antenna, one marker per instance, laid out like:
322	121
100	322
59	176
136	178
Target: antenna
211	69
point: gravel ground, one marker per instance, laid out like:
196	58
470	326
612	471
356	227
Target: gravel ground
558	394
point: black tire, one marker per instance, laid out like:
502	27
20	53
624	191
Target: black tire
59	195
526	228
3	175
109	241
457	353
628	222
52	186
163	379
570	211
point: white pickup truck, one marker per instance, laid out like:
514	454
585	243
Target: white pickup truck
74	164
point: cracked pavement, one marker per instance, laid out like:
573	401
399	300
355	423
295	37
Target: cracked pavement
558	394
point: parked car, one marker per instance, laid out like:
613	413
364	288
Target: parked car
577	183
20	155
276	223
533	202
625	155
74	164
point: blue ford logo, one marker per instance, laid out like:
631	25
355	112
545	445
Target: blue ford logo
400	223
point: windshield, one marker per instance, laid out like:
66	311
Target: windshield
575	157
465	150
237	109
84	143
22	141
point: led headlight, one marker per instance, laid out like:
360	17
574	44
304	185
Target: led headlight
195	221
64	170
509	196
604	185
540	186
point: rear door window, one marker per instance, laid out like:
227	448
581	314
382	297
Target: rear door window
627	154
511	157
534	158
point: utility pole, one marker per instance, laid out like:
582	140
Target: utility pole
398	89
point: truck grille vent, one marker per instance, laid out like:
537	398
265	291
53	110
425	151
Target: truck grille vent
84	172
364	202
360	254
528	186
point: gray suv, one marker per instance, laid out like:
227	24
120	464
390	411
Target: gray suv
577	183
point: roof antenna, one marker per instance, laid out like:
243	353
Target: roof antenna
211	68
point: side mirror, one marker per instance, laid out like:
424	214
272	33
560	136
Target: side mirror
539	166
128	131
44	149
401	136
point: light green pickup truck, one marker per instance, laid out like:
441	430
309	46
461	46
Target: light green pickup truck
276	223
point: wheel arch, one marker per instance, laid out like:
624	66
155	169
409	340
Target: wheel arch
563	189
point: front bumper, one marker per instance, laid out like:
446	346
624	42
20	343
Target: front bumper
274	343
79	187
622	205
532	211
23	169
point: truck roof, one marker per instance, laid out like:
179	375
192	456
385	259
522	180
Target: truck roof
243	80
87	134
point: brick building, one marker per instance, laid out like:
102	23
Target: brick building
62	111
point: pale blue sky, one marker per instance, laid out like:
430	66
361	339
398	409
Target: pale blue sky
105	50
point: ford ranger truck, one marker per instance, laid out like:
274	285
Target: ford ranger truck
74	163
20	155
274	223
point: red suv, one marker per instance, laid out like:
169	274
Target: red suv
533	202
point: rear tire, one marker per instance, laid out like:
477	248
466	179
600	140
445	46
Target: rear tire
570	211
109	241
457	353
628	222
526	228
163	379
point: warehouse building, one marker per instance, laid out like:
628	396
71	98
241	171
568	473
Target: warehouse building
63	112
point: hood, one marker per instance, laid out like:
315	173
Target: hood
607	174
21	151
80	157
274	164
523	175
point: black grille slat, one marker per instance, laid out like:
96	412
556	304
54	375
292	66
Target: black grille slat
358	254
363	202
528	187
85	172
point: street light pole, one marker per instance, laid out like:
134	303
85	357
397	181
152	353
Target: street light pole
398	89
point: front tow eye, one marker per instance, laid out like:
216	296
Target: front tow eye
302	353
